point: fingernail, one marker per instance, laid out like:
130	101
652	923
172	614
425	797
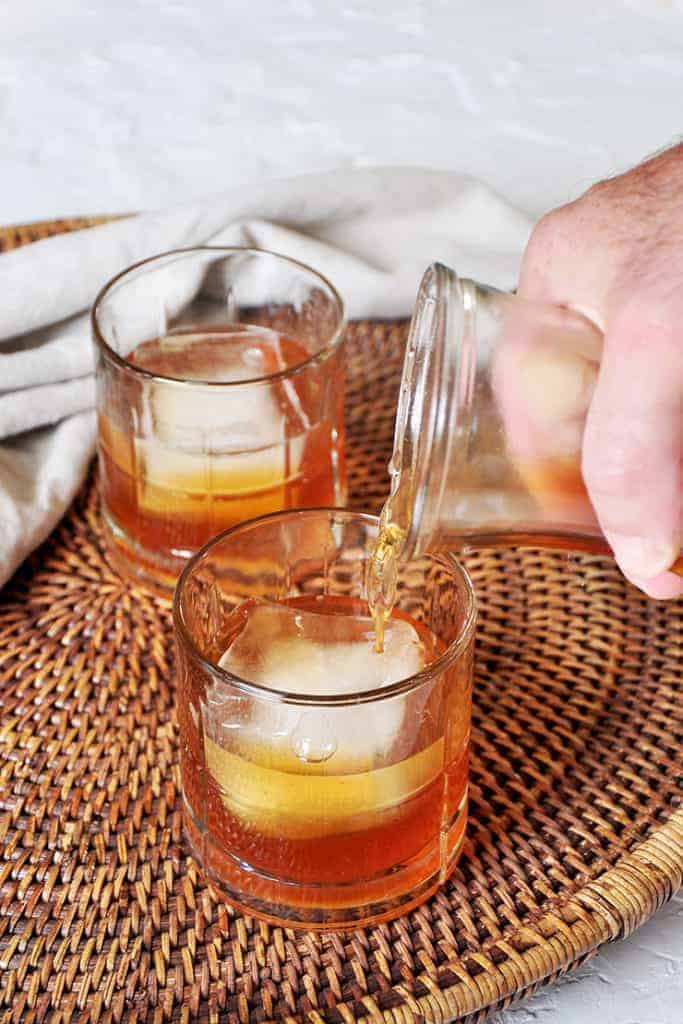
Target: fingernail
662	588
642	556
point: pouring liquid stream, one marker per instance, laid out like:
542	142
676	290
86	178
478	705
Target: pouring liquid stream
381	574
381	578
494	393
382	568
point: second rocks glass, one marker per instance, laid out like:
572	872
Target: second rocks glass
220	384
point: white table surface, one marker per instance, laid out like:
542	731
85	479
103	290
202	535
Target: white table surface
140	103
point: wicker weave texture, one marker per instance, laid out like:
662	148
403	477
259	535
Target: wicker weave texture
576	825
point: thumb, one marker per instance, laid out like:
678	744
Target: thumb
632	445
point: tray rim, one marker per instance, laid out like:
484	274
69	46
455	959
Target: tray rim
608	908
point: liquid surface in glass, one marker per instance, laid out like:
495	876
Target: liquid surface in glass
366	799
201	459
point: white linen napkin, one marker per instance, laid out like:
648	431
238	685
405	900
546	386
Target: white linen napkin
372	232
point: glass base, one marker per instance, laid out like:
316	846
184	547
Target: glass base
141	567
148	569
326	907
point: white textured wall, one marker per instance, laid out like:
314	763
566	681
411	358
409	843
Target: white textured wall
172	98
169	99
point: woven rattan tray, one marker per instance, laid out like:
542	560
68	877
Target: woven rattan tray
576	827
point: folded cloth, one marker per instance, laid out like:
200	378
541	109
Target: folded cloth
372	232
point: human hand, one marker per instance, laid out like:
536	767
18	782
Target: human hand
616	256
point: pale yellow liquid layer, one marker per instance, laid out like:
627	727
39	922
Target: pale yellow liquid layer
293	800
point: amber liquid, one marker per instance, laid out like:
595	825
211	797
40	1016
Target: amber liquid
169	486
344	840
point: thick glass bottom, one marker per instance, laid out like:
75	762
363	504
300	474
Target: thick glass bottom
144	568
324	906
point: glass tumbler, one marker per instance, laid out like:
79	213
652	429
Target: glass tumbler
220	396
492	409
325	810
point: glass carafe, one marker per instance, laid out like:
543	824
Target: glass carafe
492	407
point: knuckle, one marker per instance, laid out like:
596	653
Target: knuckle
547	231
599	190
551	246
546	252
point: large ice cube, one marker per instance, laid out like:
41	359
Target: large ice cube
305	653
219	440
211	419
299	651
299	772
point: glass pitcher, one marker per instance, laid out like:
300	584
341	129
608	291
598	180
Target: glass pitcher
492	406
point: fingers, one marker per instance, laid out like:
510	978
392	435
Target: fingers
662	587
543	374
538	277
632	460
559	266
544	371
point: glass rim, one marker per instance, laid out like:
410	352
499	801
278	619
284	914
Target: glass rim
319	356
399	687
